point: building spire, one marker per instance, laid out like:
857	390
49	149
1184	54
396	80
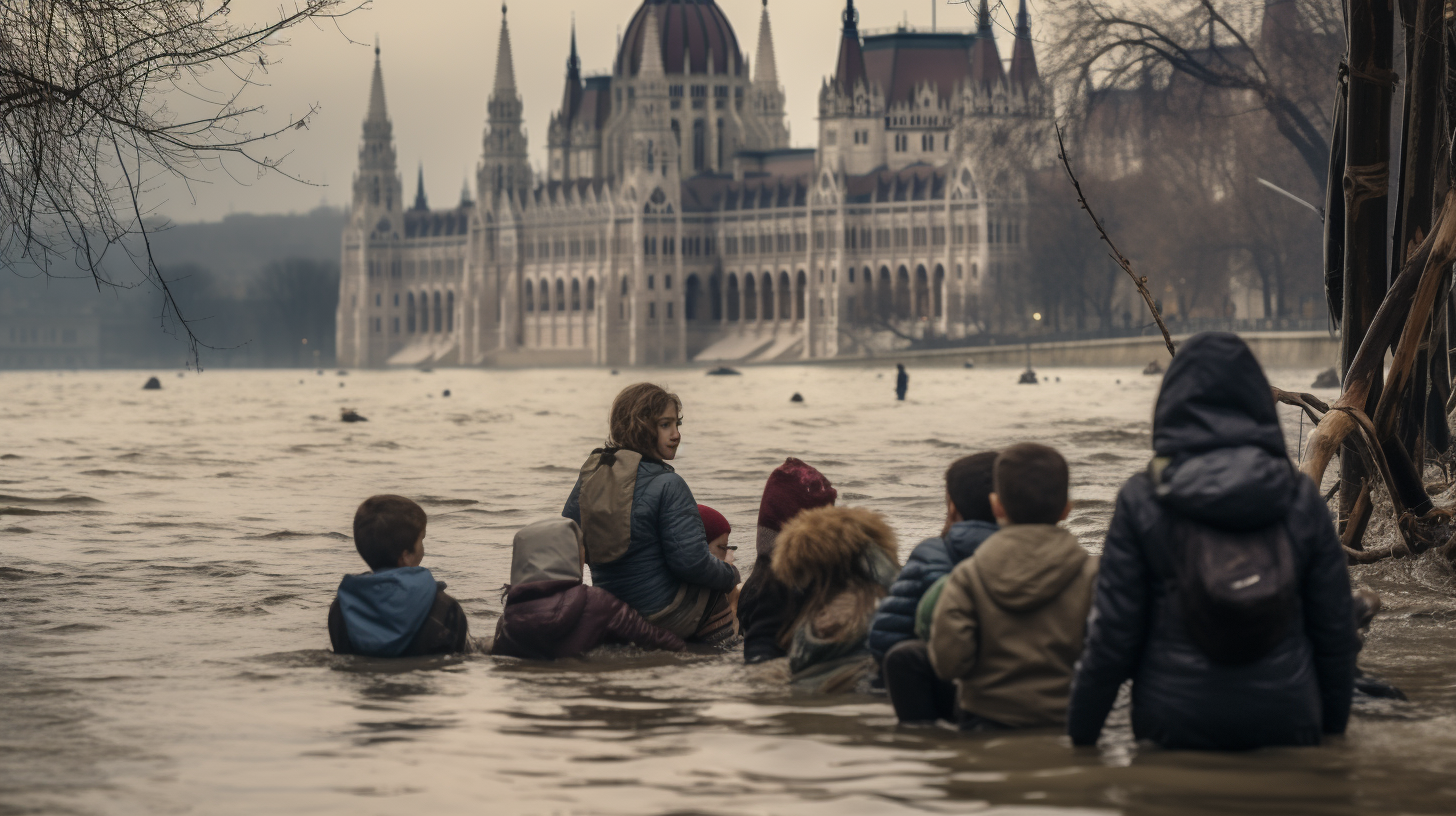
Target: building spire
377	110
983	20
421	203
986	69
377	182
766	72
505	69
851	67
651	49
1024	73
571	98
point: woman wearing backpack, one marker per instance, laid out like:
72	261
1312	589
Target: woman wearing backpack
1221	656
644	538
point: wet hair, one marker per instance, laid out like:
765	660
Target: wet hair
1031	482
635	411
386	527
969	483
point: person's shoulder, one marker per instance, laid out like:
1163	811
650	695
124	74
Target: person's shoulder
928	552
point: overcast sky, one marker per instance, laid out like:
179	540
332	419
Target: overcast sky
439	64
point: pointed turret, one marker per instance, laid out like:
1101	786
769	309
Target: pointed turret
851	66
571	98
421	203
1024	75
766	74
986	70
377	183
505	166
651	67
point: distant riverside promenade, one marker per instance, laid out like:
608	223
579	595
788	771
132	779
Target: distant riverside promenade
1275	349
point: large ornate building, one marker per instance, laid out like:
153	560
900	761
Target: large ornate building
675	223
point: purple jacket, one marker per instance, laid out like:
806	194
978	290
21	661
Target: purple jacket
550	619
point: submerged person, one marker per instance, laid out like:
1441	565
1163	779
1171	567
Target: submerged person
892	639
549	613
1220	484
767	606
841	562
645	541
1009	622
397	609
717	529
902	381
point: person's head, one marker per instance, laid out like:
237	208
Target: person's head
791	489
1215	395
645	419
389	532
717	529
968	488
1031	484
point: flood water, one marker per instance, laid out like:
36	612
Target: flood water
167	559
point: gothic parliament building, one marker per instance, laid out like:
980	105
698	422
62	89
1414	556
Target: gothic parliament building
676	224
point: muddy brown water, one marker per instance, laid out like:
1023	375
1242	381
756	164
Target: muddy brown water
167	559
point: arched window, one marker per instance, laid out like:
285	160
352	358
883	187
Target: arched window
543	303
937	292
624	286
733	298
439	314
800	294
768	301
750	297
560	295
530	298
591	294
410	315
575	295
692	290
450	312
700	145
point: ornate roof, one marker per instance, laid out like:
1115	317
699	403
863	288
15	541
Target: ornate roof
691	29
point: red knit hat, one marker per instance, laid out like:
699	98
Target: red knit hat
794	487
714	523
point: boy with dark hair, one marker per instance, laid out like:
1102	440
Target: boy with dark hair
397	609
1009	623
917	694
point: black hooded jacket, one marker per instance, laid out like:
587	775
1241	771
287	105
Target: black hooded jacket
1215	425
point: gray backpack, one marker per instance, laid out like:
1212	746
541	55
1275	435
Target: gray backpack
608	481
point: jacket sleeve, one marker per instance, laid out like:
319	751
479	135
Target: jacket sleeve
338	632
953	629
1116	629
1329	620
925	610
684	542
626	625
572	510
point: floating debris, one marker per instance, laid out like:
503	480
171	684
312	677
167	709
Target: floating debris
350	415
447	393
1153	369
797	397
1329	378
153	384
724	371
1028	377
969	364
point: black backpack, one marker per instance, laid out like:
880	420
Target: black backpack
1238	591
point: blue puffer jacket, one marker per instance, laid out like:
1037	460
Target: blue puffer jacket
931	558
669	547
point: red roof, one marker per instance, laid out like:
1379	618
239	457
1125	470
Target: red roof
690	28
900	61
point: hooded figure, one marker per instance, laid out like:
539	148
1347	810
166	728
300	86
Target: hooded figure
401	612
549	613
840	561
1220	461
766	606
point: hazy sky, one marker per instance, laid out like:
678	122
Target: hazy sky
439	64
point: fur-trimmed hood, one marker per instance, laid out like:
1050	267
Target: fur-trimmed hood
829	546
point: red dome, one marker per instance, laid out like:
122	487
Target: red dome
690	29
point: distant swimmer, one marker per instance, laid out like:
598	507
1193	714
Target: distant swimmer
797	397
153	384
902	382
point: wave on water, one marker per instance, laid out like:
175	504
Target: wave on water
28	511
1111	436
288	535
16	530
443	502
67	499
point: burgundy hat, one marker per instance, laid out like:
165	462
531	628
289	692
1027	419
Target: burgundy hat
713	522
794	487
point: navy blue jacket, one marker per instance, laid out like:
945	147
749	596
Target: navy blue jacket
669	546
931	559
1215	421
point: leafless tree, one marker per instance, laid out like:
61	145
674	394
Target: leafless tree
1226	45
88	124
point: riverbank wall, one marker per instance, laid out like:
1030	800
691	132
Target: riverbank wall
1275	349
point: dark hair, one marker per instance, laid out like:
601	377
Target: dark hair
968	482
386	527
1031	482
633	424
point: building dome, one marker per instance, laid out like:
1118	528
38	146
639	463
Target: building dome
691	29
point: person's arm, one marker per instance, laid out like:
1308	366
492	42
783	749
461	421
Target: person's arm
626	625
572	510
953	628
925	610
1329	620
1116	629
684	542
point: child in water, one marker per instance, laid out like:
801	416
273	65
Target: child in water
397	609
550	613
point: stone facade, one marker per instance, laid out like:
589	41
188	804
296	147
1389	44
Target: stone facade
675	223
